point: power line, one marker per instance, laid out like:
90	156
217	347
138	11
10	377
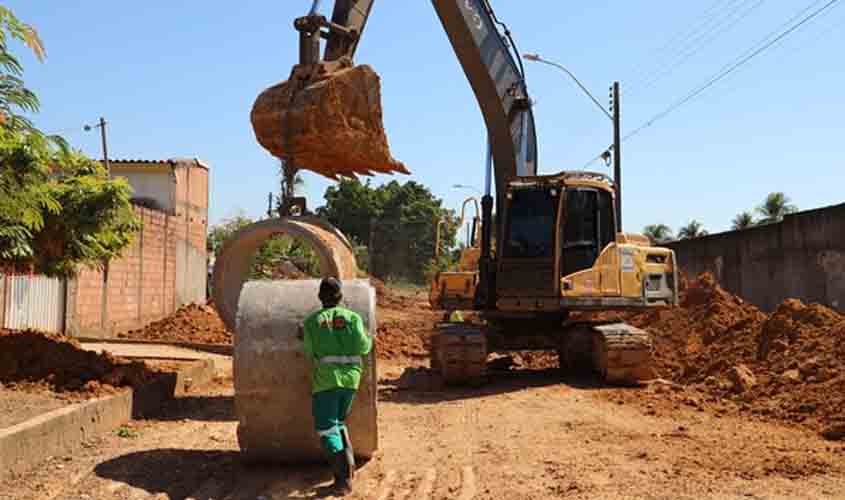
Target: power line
679	37
801	45
731	68
696	40
706	39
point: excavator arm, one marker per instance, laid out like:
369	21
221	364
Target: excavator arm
488	63
353	16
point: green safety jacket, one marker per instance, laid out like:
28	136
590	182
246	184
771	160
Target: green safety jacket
336	341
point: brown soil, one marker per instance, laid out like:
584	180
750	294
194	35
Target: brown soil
287	270
332	126
520	437
727	355
37	362
18	406
723	354
406	323
199	324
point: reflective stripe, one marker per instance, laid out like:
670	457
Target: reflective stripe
328	432
342	360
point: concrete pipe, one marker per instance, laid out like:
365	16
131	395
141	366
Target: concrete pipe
271	374
232	265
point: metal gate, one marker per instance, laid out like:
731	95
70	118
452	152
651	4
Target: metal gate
34	302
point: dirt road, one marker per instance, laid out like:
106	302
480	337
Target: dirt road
527	435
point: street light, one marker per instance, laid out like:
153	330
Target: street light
537	58
617	127
464	186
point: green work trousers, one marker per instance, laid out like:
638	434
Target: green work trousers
330	409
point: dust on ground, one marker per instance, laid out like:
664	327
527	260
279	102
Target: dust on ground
525	436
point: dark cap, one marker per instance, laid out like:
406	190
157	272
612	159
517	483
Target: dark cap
330	291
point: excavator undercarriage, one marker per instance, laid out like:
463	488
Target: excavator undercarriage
619	353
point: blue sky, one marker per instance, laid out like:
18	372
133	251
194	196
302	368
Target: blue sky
179	79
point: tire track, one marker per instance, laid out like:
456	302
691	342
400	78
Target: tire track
467	484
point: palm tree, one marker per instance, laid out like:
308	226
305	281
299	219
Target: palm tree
658	233
14	96
692	230
774	207
743	220
290	185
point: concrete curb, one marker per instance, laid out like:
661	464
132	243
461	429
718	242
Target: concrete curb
147	401
63	431
60	431
223	349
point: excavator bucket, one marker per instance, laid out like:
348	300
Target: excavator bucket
326	120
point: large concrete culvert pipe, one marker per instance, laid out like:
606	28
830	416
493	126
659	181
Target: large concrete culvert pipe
272	376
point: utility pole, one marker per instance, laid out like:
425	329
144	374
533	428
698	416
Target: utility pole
270	205
102	126
617	153
105	145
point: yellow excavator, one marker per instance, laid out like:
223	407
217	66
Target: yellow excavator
558	249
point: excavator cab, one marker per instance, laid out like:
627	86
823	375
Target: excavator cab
561	250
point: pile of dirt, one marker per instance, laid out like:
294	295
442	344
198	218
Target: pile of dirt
331	125
194	323
36	361
406	323
788	366
287	270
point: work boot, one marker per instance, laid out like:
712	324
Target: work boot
350	453
340	470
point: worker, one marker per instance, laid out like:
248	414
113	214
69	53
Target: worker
336	341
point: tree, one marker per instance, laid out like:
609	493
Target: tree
273	257
14	96
743	220
58	209
291	183
351	206
693	229
775	207
658	233
219	233
405	218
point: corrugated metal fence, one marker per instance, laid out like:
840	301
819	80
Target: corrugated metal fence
35	302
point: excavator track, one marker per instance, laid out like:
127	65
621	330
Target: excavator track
459	353
622	354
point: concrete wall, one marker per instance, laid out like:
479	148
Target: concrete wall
154	182
801	257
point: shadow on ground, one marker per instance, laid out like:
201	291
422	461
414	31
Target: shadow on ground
422	385
209	474
203	408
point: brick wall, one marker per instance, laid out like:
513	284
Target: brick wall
3	287
141	286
